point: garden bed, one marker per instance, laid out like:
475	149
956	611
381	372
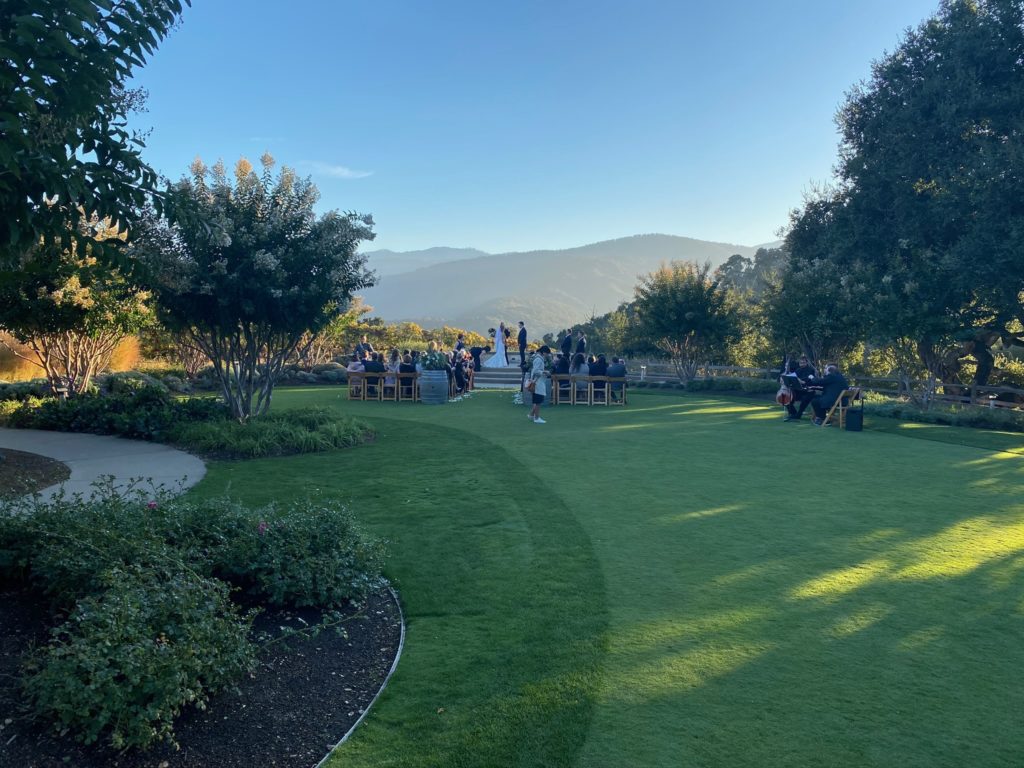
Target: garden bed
300	701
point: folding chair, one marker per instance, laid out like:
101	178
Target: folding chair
616	396
356	385
581	395
406	387
599	390
560	394
842	405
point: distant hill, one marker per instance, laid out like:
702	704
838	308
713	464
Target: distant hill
547	289
385	262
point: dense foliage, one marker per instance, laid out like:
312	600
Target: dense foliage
66	153
251	272
145	582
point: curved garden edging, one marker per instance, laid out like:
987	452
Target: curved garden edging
383	685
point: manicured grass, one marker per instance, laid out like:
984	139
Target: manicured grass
684	582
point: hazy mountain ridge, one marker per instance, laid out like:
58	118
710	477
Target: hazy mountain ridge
549	289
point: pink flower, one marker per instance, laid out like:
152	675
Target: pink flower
262	527
152	505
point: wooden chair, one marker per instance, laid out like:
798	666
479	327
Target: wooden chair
407	387
558	394
581	395
616	396
389	392
356	385
374	386
599	390
842	404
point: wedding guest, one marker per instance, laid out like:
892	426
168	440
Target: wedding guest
373	365
599	367
539	382
617	370
581	344
392	366
579	370
567	345
406	366
475	352
355	365
561	368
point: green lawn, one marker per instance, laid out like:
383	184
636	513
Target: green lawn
686	582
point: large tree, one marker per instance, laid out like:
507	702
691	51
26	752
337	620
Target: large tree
66	153
929	209
686	314
252	273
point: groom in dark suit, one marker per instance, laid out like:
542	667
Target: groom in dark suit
522	342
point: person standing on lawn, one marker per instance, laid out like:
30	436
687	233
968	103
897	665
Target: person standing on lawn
539	383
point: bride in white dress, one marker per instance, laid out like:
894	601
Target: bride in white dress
497	360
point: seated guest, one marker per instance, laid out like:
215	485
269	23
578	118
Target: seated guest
355	365
580	368
475	353
802	396
830	386
617	370
599	368
392	367
406	366
373	365
561	368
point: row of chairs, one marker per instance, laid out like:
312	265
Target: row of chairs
390	387
567	389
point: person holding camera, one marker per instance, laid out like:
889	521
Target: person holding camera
538	385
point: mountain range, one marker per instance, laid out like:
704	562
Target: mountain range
550	289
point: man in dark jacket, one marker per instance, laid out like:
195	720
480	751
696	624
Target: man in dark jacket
522	342
802	396
832	385
567	344
475	353
581	345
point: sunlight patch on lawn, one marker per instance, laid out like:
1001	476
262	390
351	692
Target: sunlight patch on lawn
700	513
859	620
680	672
716	410
919	638
962	548
835	584
647	635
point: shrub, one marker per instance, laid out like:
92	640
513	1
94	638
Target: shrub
129	659
275	434
303	554
136	411
145	582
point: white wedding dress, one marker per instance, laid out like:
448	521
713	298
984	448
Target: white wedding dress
497	360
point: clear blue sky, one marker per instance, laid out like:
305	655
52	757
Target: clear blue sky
526	124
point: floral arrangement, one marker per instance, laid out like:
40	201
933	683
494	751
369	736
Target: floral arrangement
434	361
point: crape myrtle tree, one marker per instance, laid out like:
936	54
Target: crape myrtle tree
251	273
66	153
69	309
685	314
929	211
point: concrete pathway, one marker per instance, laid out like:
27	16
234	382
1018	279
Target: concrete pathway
91	456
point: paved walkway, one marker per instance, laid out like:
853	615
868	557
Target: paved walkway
91	456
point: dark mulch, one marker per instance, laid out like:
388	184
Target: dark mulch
299	704
22	473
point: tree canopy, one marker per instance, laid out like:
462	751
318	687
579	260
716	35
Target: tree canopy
926	222
251	272
66	152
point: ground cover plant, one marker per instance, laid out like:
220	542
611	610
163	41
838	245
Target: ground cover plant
141	590
671	584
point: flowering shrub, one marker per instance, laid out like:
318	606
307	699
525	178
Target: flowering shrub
145	581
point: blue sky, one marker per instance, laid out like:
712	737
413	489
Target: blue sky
521	125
